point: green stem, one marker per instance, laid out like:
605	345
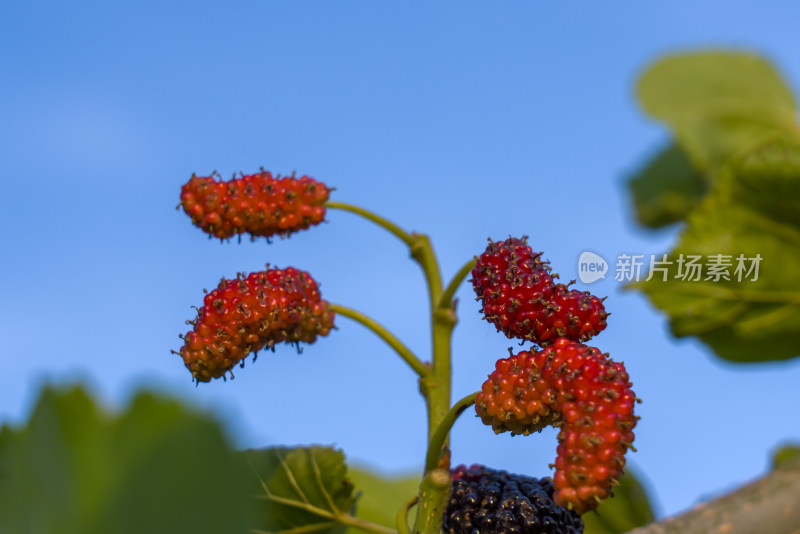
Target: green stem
422	252
375	218
452	287
436	386
435	381
434	492
408	356
402	515
439	437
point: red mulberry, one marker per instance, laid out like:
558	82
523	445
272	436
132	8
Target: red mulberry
578	389
521	300
258	204
252	312
577	315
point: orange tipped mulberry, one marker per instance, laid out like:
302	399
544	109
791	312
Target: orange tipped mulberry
250	313
257	204
583	392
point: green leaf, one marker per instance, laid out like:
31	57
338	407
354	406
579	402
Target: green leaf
754	211
691	83
156	468
785	454
300	489
715	138
381	497
718	104
666	189
628	509
767	181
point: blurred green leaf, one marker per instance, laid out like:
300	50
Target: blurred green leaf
753	211
718	137
301	488
666	189
718	104
785	454
628	509
692	83
156	468
381	497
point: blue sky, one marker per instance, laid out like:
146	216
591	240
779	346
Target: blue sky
460	119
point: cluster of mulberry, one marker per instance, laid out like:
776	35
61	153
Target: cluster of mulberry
250	313
566	384
258	204
521	299
487	501
578	389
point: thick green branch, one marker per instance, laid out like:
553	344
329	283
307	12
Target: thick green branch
436	386
437	442
435	487
434	495
399	347
452	287
386	224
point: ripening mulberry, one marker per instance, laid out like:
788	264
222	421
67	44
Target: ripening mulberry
487	501
258	204
521	299
584	393
250	313
577	315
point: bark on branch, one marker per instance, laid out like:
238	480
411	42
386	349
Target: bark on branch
770	505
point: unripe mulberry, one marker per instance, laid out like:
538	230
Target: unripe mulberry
578	389
521	299
250	313
487	501
258	204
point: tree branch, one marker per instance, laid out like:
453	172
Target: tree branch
770	505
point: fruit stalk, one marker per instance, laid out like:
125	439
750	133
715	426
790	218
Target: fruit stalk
439	437
447	297
399	347
375	218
